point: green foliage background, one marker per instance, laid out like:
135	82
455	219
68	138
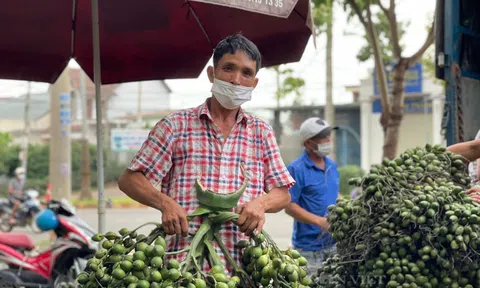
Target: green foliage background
38	164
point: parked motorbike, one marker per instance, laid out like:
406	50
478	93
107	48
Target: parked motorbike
59	265
24	215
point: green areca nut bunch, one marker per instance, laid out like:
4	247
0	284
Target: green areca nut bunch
128	260
412	226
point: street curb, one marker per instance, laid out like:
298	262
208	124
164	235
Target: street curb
113	206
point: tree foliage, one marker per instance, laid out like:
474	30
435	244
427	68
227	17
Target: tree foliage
346	173
428	61
289	84
8	155
384	34
321	14
39	161
382	27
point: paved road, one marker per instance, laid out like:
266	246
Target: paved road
279	225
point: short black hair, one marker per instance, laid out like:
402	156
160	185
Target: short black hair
236	42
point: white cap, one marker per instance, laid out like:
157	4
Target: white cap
20	171
315	126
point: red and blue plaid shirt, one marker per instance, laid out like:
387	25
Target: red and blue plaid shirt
187	144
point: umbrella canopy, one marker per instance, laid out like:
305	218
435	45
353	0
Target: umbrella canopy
145	39
124	40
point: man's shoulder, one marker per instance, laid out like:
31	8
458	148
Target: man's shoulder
183	113
298	163
178	118
258	122
331	162
17	184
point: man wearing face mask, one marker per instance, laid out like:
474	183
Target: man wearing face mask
317	187
213	141
15	191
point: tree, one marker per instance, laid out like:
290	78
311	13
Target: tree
323	21
428	62
289	85
383	34
8	155
382	26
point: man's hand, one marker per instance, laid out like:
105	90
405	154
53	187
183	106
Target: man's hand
174	218
474	193
252	216
322	223
137	187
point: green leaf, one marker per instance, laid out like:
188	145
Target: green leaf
290	85
382	27
8	155
322	13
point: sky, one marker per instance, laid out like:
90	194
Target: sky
346	68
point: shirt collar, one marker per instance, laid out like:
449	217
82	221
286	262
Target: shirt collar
204	111
309	163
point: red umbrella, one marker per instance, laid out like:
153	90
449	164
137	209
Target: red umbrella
140	40
145	39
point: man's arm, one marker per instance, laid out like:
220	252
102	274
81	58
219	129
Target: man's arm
276	200
150	165
273	202
470	149
302	215
136	186
296	211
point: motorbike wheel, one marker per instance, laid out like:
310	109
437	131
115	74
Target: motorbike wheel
9	280
5	225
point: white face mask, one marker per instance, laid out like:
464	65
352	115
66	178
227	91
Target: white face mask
230	96
324	149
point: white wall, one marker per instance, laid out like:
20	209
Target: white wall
155	97
437	92
366	90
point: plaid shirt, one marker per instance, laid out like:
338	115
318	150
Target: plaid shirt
187	143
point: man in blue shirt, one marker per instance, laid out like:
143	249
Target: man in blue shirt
317	187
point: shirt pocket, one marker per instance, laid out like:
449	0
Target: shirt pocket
314	194
254	169
315	189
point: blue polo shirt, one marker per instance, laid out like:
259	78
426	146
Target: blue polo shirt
314	191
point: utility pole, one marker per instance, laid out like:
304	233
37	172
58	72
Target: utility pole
85	192
107	135
27	127
278	125
60	143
